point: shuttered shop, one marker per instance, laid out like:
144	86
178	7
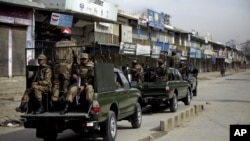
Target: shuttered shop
4	32
18	51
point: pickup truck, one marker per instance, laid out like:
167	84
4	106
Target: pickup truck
167	93
114	100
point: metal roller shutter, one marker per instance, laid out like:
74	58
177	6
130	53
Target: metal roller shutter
18	52
4	32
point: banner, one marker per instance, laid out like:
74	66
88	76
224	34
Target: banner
61	20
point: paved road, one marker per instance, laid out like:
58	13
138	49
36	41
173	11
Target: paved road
228	101
151	121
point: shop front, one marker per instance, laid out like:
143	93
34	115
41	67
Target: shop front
15	36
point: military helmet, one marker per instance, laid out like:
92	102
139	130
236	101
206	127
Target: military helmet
84	55
66	30
42	56
65	33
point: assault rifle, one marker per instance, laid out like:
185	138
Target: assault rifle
76	71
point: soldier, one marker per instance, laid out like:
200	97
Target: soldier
137	72
86	72
43	84
175	61
64	54
161	71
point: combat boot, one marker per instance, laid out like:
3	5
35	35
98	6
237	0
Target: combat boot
66	109
40	109
23	107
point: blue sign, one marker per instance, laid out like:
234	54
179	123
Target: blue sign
61	19
155	19
192	53
162	46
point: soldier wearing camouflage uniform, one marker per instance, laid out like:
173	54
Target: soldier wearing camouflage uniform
174	61
63	56
161	71
137	72
43	84
86	72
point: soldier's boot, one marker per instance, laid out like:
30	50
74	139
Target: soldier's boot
23	107
40	109
66	109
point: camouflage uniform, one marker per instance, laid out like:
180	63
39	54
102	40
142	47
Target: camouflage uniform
62	69
44	83
137	72
86	72
161	71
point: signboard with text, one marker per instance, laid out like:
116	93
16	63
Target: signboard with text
127	48
61	20
155	19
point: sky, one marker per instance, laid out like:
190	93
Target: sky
226	20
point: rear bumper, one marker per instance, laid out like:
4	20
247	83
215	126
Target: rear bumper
59	122
155	100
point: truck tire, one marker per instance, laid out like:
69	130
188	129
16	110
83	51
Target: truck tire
173	103
187	99
109	127
46	134
136	119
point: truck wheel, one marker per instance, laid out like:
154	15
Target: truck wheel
187	99
173	104
136	119
109	127
46	134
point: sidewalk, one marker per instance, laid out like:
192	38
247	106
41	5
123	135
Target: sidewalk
11	91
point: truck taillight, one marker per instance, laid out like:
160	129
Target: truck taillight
95	107
167	89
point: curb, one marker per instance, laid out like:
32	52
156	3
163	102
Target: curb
173	122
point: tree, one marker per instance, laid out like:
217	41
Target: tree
246	49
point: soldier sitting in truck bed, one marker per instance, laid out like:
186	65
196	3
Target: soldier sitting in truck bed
86	72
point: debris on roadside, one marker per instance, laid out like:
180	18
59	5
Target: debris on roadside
11	123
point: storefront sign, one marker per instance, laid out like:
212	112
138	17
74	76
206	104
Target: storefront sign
12	15
6	19
155	19
222	53
61	20
126	34
105	10
192	53
156	52
208	52
143	50
127	48
198	54
163	46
